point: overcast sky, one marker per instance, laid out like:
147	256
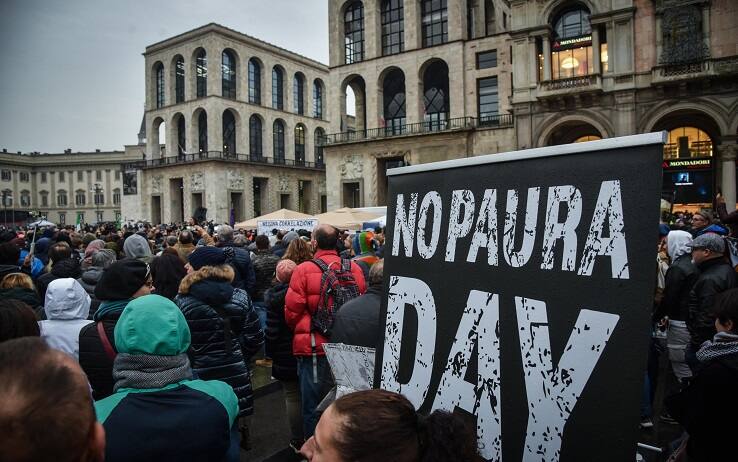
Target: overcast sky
73	73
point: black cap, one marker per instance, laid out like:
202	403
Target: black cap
122	279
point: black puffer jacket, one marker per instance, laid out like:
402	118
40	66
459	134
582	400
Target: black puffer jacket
225	330
680	278
716	277
68	268
278	335
88	281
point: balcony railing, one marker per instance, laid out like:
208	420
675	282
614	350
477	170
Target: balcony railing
571	82
428	127
226	157
698	69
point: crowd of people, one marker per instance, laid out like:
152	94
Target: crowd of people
140	344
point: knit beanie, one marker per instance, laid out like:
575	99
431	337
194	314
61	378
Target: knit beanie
206	256
121	280
289	237
89	237
285	268
103	258
136	246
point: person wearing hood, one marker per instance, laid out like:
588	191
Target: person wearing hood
225	327
62	266
707	407
680	278
67	306
137	247
159	412
122	282
99	262
91	249
43	244
19	286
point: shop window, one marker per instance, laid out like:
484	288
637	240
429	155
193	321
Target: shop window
687	142
585	138
571	48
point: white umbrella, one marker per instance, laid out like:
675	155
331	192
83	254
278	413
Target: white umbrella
41	223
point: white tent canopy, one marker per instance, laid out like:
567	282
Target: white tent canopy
281	214
347	218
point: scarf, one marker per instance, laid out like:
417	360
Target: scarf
108	307
143	371
723	344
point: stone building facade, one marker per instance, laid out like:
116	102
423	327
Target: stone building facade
239	119
591	69
431	81
65	188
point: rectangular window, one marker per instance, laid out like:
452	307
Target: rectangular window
99	216
117	175
571	63
25	177
43	177
44	200
5	175
116	197
434	22
284	201
99	199
98	175
80	218
61	177
392	27
487	100
80	175
62	218
487	59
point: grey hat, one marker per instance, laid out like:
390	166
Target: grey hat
289	237
710	241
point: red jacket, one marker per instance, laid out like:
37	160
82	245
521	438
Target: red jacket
303	296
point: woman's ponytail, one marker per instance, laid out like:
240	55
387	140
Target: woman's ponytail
443	436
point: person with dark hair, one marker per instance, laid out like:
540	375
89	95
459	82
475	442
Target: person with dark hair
265	263
185	246
379	425
158	411
301	303
17	319
707	408
167	271
62	266
9	256
50	415
357	322
225	327
122	282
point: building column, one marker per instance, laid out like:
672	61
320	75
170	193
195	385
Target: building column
597	68
372	30
413	28
727	157
413	97
533	57
215	78
546	57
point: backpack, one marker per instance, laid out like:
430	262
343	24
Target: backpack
337	286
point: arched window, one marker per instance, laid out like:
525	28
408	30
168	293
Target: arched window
179	80
393	27
585	138
300	144
255	135
317	99
181	136
25	200
435	22
435	95
490	19
277	85
254	81
159	70
353	26
319	137
228	68
202	132
99	198
80	198
229	133
687	142
298	93
394	102
278	141
571	47
116	196
201	66
61	198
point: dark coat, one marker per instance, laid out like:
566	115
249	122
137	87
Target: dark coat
707	409
245	278
27	296
92	357
265	264
88	281
9	269
225	331
716	277
357	322
278	335
680	278
68	268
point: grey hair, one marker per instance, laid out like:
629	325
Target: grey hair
376	273
225	233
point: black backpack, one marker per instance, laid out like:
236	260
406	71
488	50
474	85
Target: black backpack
337	286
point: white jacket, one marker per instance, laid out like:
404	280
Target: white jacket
67	306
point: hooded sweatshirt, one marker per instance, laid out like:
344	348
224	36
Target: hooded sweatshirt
136	246
67	306
677	244
158	412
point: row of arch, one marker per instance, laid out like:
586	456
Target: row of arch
229	77
231	134
433	25
80	198
391	83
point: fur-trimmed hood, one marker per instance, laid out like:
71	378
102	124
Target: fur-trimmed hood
216	273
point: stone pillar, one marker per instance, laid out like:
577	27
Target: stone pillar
413	96
597	68
546	57
215	78
533	60
727	157
372	28
413	28
215	131
372	106
456	20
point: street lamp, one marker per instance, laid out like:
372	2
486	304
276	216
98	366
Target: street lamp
96	190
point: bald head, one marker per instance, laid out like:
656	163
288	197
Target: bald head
46	409
326	236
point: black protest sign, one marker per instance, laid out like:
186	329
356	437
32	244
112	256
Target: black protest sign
519	289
